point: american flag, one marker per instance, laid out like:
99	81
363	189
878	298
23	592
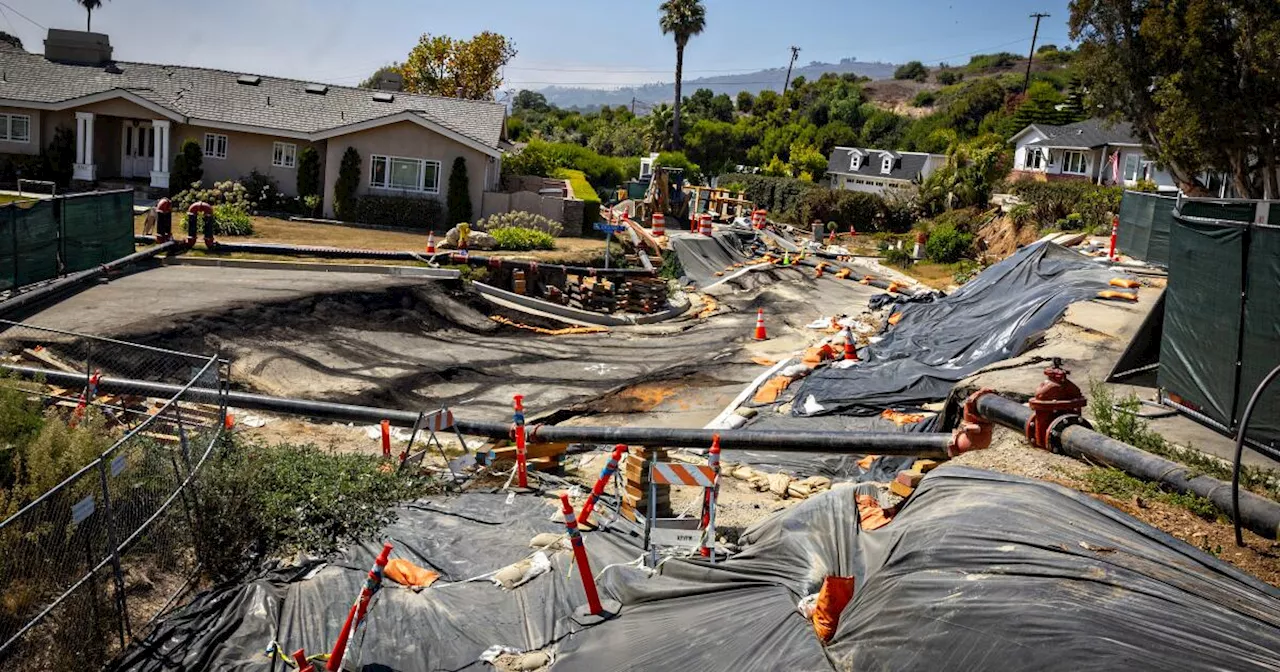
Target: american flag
1115	167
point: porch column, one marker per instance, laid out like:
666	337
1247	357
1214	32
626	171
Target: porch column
160	145
84	168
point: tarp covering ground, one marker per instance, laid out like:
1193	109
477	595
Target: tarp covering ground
993	317
977	571
702	257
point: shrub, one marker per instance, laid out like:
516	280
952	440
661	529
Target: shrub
779	195
311	204
984	61
401	211
519	220
543	158
692	171
913	70
459	197
897	257
260	501
232	220
515	238
845	208
221	193
948	244
188	166
925	99
60	157
263	191
344	190
308	173
582	189
949	77
1052	201
1148	186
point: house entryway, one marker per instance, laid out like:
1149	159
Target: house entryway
137	149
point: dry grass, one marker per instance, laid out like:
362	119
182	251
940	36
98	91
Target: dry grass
273	230
938	276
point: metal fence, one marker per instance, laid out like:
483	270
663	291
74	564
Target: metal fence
90	564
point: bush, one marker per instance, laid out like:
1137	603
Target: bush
845	208
262	191
779	195
425	214
308	173
515	238
519	220
692	171
897	257
60	157
582	190
232	220
925	99
344	190
188	166
459	197
1052	201
948	244
260	501
221	193
543	158
984	61
913	70
949	77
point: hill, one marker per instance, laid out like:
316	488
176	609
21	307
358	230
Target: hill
586	98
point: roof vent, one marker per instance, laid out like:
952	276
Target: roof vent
112	69
318	89
249	80
383	97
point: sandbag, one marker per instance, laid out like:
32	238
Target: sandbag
835	595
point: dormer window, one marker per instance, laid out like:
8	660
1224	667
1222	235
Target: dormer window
887	165
856	162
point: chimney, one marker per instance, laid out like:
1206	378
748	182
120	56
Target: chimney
77	47
390	81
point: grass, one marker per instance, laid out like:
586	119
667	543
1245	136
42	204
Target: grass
1116	483
935	274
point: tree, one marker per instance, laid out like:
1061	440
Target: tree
443	66
188	166
459	193
1199	80
12	40
659	131
530	100
344	190
681	19
308	172
89	6
372	81
745	101
913	70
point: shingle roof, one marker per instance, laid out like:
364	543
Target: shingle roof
214	95
1086	134
906	165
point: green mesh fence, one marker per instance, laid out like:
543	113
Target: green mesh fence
1145	221
44	239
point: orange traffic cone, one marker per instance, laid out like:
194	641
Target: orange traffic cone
850	351
760	332
431	242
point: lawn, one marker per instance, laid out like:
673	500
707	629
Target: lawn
6	199
273	230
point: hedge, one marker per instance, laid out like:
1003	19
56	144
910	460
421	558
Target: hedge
583	191
798	202
400	211
1052	201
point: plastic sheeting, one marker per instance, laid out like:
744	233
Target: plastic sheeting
702	257
935	345
96	229
977	571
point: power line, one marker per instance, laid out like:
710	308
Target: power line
1031	57
23	16
795	53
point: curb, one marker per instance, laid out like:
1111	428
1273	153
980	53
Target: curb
370	269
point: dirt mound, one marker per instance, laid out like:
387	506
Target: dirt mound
1001	237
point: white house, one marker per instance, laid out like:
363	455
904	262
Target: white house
1093	150
878	171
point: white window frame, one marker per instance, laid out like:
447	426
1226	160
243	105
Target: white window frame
886	166
387	162
1067	157
284	155
856	163
1136	159
6	128
211	148
1034	159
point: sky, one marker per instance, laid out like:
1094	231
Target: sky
593	43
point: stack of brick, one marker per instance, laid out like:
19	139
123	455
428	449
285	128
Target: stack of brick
635	497
643	295
589	293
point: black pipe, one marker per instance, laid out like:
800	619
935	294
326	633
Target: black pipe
58	286
1259	514
858	443
1239	455
438	257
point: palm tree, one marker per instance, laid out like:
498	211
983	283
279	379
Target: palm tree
682	19
89	6
659	130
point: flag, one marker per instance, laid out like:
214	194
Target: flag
1115	167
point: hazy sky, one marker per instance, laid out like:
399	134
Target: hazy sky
597	43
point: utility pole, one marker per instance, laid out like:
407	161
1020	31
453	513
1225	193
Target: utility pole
795	53
633	106
1026	83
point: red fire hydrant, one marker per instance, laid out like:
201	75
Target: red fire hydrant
1056	397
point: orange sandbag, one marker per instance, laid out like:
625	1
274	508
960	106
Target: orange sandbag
1124	283
871	516
771	390
899	418
895	318
832	599
818	355
406	573
1112	294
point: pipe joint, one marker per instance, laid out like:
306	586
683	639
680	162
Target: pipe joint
1060	425
974	431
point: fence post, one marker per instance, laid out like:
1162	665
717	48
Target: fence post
117	572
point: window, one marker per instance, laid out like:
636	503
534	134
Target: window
15	127
393	172
856	163
1035	160
215	146
1074	163
887	165
284	155
1132	167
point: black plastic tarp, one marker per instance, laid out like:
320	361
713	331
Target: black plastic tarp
993	317
977	571
704	256
1145	221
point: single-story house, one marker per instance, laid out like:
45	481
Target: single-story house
1096	150
129	119
878	171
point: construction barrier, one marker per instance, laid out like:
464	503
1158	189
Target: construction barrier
44	239
355	617
659	225
698	532
610	468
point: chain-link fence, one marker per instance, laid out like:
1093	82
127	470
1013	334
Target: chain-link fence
91	563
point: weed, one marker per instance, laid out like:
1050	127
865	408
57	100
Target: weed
1116	483
897	257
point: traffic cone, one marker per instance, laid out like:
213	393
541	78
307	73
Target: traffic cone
431	242
786	258
760	332
850	351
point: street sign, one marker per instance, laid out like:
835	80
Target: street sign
610	228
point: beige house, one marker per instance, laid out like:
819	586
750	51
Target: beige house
129	119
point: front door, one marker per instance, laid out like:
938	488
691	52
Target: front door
137	148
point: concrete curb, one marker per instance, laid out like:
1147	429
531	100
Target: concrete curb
370	269
575	315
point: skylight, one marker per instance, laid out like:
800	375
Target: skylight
318	89
383	97
249	80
